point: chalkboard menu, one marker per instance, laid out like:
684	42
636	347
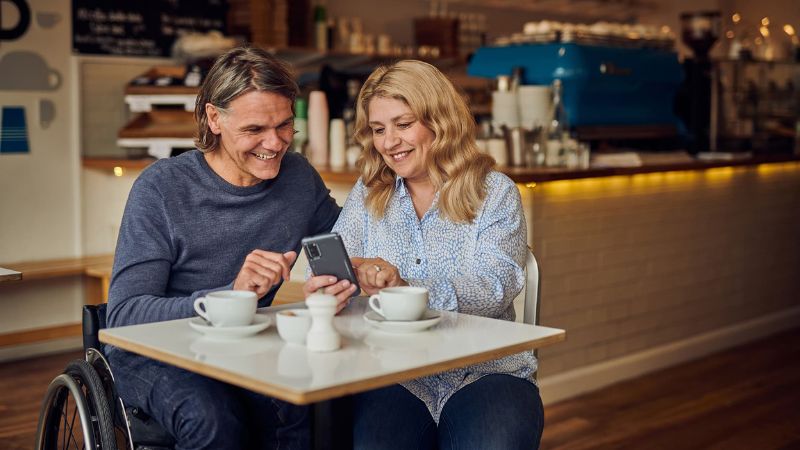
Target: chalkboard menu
140	27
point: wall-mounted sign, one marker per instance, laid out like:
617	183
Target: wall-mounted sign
141	27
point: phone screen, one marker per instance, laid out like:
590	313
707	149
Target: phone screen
327	256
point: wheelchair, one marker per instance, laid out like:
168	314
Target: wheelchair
82	410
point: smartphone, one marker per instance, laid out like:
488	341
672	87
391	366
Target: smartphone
327	256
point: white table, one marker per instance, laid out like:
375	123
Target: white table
368	359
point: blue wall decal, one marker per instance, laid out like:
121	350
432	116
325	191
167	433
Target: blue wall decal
13	131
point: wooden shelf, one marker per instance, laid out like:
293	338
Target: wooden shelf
170	123
111	163
54	268
162	71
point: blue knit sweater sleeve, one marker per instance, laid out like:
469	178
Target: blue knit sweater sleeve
143	261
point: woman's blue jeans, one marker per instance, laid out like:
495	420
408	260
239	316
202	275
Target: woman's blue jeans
202	413
500	412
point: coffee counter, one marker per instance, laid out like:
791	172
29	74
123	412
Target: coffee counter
517	174
645	267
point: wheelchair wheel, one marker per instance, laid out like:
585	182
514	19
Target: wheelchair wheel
78	394
117	407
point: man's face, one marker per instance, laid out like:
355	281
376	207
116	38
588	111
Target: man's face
255	133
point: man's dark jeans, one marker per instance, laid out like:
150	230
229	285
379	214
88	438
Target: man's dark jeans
202	413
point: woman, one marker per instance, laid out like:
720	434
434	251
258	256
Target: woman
429	211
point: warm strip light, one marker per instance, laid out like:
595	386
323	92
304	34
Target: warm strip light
767	169
764	31
765	21
736	17
655	179
118	171
721	173
788	29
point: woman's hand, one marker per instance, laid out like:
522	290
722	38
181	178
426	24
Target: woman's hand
262	270
342	290
375	274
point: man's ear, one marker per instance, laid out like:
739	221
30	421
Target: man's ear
214	117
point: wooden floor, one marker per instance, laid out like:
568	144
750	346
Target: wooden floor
744	398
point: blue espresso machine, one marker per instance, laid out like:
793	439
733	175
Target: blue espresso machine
620	92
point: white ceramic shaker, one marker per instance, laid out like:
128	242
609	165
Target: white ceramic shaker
322	336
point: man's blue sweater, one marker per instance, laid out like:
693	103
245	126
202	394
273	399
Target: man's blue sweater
186	232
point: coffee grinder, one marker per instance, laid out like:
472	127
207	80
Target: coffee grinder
699	31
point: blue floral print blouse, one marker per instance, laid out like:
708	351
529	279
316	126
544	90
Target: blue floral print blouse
475	268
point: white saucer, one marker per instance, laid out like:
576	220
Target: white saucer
429	319
260	323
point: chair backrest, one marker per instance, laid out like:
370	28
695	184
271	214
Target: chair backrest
530	312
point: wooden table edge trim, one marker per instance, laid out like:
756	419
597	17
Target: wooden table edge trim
300	398
399	377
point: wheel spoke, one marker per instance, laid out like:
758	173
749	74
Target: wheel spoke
64	414
68	427
72	428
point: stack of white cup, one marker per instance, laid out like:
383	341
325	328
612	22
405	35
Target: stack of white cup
337	140
318	128
535	106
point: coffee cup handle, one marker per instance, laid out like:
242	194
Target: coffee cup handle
197	303
373	305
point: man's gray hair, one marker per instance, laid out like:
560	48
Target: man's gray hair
239	71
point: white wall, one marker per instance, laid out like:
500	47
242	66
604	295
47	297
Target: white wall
39	191
39	205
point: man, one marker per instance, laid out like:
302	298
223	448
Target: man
229	215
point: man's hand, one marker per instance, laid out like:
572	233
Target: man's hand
262	270
342	290
375	274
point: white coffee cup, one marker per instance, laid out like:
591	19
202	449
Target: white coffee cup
400	302
293	325
227	308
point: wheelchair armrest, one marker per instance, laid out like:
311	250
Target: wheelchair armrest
94	320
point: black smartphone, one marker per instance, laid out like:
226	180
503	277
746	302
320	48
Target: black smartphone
327	256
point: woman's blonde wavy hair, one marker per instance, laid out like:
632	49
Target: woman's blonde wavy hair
457	169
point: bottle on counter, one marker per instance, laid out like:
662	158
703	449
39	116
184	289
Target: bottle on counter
797	138
320	28
349	117
300	126
557	132
516	134
484	133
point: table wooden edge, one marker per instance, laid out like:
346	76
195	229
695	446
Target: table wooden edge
312	396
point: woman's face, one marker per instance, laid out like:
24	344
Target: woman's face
399	136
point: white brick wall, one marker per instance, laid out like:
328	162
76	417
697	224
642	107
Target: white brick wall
631	263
